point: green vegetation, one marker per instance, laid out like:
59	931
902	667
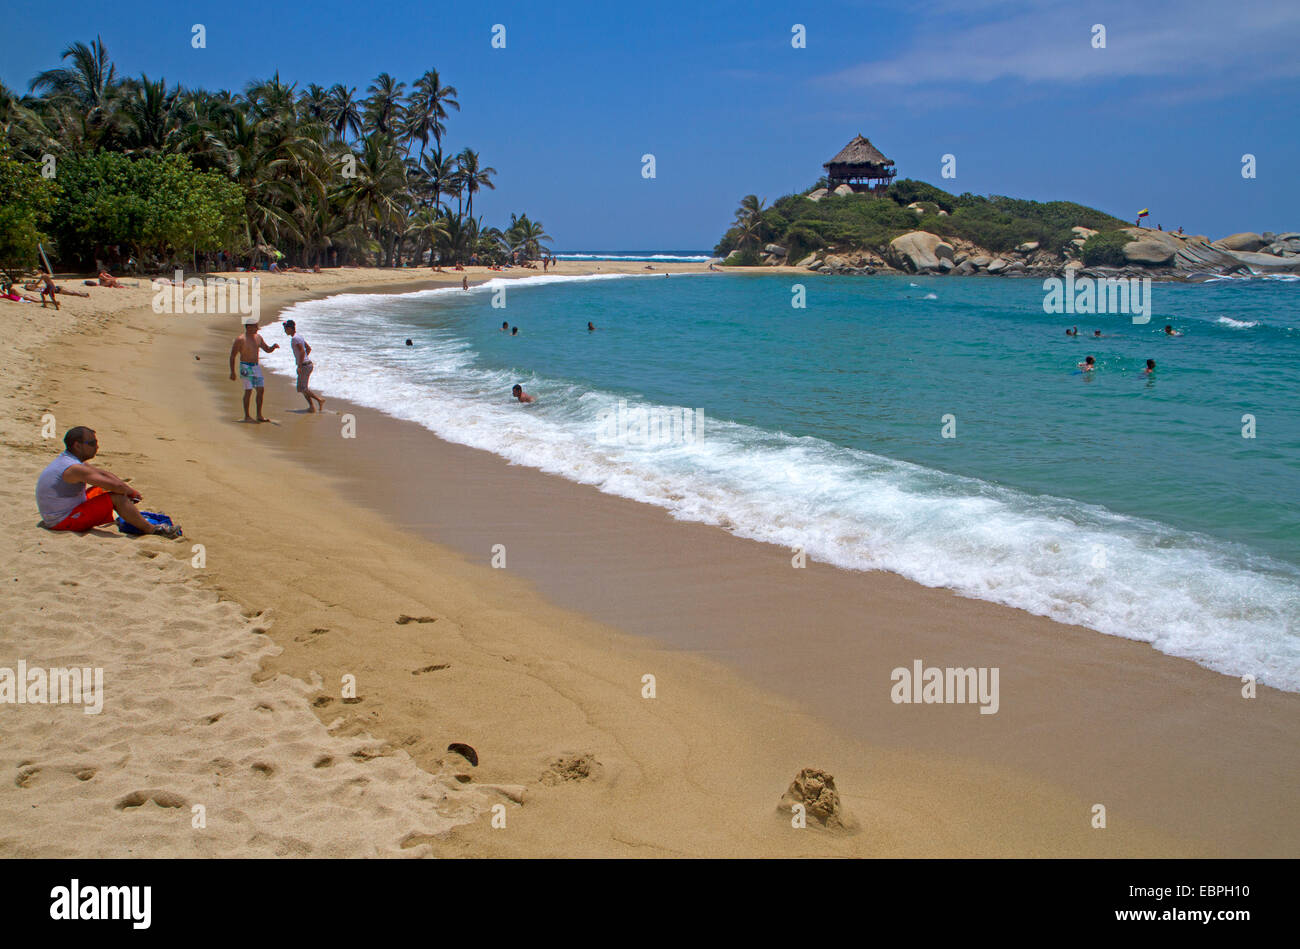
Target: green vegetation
1105	249
871	222
166	175
26	202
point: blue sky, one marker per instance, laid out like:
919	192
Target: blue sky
1160	118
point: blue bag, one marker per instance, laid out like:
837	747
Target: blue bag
151	516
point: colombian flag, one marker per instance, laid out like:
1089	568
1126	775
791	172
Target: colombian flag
1144	212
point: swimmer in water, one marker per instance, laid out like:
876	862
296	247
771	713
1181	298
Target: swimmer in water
505	326
1096	334
514	331
591	327
1088	364
1169	331
1151	367
519	393
1072	332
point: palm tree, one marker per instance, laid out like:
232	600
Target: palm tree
150	117
343	115
749	218
471	177
87	86
435	173
384	104
427	109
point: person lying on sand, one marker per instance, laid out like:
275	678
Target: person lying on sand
1088	364
10	293
64	502
519	393
106	279
58	288
245	348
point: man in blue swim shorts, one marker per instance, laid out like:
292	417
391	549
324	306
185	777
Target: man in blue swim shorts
245	350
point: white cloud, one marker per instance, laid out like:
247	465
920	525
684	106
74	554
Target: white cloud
990	40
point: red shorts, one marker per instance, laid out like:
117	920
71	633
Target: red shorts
94	512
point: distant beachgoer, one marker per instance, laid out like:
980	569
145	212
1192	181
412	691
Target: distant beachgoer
1180	228
505	326
519	393
514	331
1170	331
245	348
1088	364
301	354
1096	334
106	279
1072	332
66	505
464	284
48	289
1151	367
409	343
546	264
591	327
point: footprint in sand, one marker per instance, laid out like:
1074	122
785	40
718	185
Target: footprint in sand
568	768
159	797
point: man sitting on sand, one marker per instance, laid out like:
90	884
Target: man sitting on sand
301	352
245	348
64	502
106	279
519	393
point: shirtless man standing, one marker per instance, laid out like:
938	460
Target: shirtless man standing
245	350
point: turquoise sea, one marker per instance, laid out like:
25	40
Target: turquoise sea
1125	502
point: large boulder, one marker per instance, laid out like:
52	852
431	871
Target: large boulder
981	260
1244	241
843	190
819	194
807	261
775	249
733	256
918	251
1150	252
1084	232
916	206
996	265
1028	247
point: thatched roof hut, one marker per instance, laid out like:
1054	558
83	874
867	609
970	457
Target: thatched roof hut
861	166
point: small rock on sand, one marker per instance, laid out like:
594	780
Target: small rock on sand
815	790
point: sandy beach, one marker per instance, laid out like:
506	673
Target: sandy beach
325	558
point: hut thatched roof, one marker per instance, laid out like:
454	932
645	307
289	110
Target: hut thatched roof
860	151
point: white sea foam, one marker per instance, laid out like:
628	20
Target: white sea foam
1236	324
1188	595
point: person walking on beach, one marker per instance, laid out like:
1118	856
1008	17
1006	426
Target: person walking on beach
464	284
301	354
519	393
66	505
245	349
